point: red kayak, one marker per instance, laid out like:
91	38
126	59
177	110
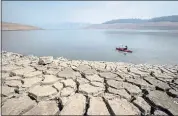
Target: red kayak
122	49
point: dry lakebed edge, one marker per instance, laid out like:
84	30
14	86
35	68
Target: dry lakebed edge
57	86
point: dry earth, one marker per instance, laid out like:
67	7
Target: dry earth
48	86
14	26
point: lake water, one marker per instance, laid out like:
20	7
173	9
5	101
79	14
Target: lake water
160	47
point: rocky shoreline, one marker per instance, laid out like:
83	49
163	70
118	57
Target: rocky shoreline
46	86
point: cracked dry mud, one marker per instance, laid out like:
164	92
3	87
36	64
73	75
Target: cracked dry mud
46	86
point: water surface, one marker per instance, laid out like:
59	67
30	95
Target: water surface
148	46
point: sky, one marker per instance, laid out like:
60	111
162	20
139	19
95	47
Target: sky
93	12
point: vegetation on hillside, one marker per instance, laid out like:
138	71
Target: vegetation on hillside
173	18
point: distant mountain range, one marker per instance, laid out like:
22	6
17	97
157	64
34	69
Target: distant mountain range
164	22
15	26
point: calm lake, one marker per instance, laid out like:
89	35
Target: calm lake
158	46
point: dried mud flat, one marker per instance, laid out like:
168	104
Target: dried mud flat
46	86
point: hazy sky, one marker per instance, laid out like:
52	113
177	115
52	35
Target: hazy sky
54	12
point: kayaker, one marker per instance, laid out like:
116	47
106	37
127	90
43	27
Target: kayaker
125	48
121	45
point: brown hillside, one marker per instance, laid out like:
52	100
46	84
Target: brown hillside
15	26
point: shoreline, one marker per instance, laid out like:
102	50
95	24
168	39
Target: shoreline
100	61
23	29
48	86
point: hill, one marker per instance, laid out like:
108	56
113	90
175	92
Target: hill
173	18
15	26
157	23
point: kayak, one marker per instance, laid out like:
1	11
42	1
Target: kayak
122	49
